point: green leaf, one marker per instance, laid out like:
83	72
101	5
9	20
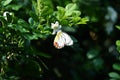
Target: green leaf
30	36
98	63
116	66
31	21
14	7
118	42
43	55
76	13
70	8
64	22
46	11
114	75
6	2
83	20
35	52
34	16
118	27
112	79
60	13
2	19
118	48
92	53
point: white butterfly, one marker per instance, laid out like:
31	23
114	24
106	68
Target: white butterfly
62	39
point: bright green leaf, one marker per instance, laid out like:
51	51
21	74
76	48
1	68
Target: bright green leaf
76	13
118	42
60	13
71	7
83	20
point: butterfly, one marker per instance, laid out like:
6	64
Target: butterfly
61	39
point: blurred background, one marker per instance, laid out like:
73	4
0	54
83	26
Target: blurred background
27	54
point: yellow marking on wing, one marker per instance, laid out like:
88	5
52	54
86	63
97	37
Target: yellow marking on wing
57	36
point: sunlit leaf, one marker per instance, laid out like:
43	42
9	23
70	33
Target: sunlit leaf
76	13
70	8
60	13
83	20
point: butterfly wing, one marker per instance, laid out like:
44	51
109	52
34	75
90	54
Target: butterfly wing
68	40
59	41
62	39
